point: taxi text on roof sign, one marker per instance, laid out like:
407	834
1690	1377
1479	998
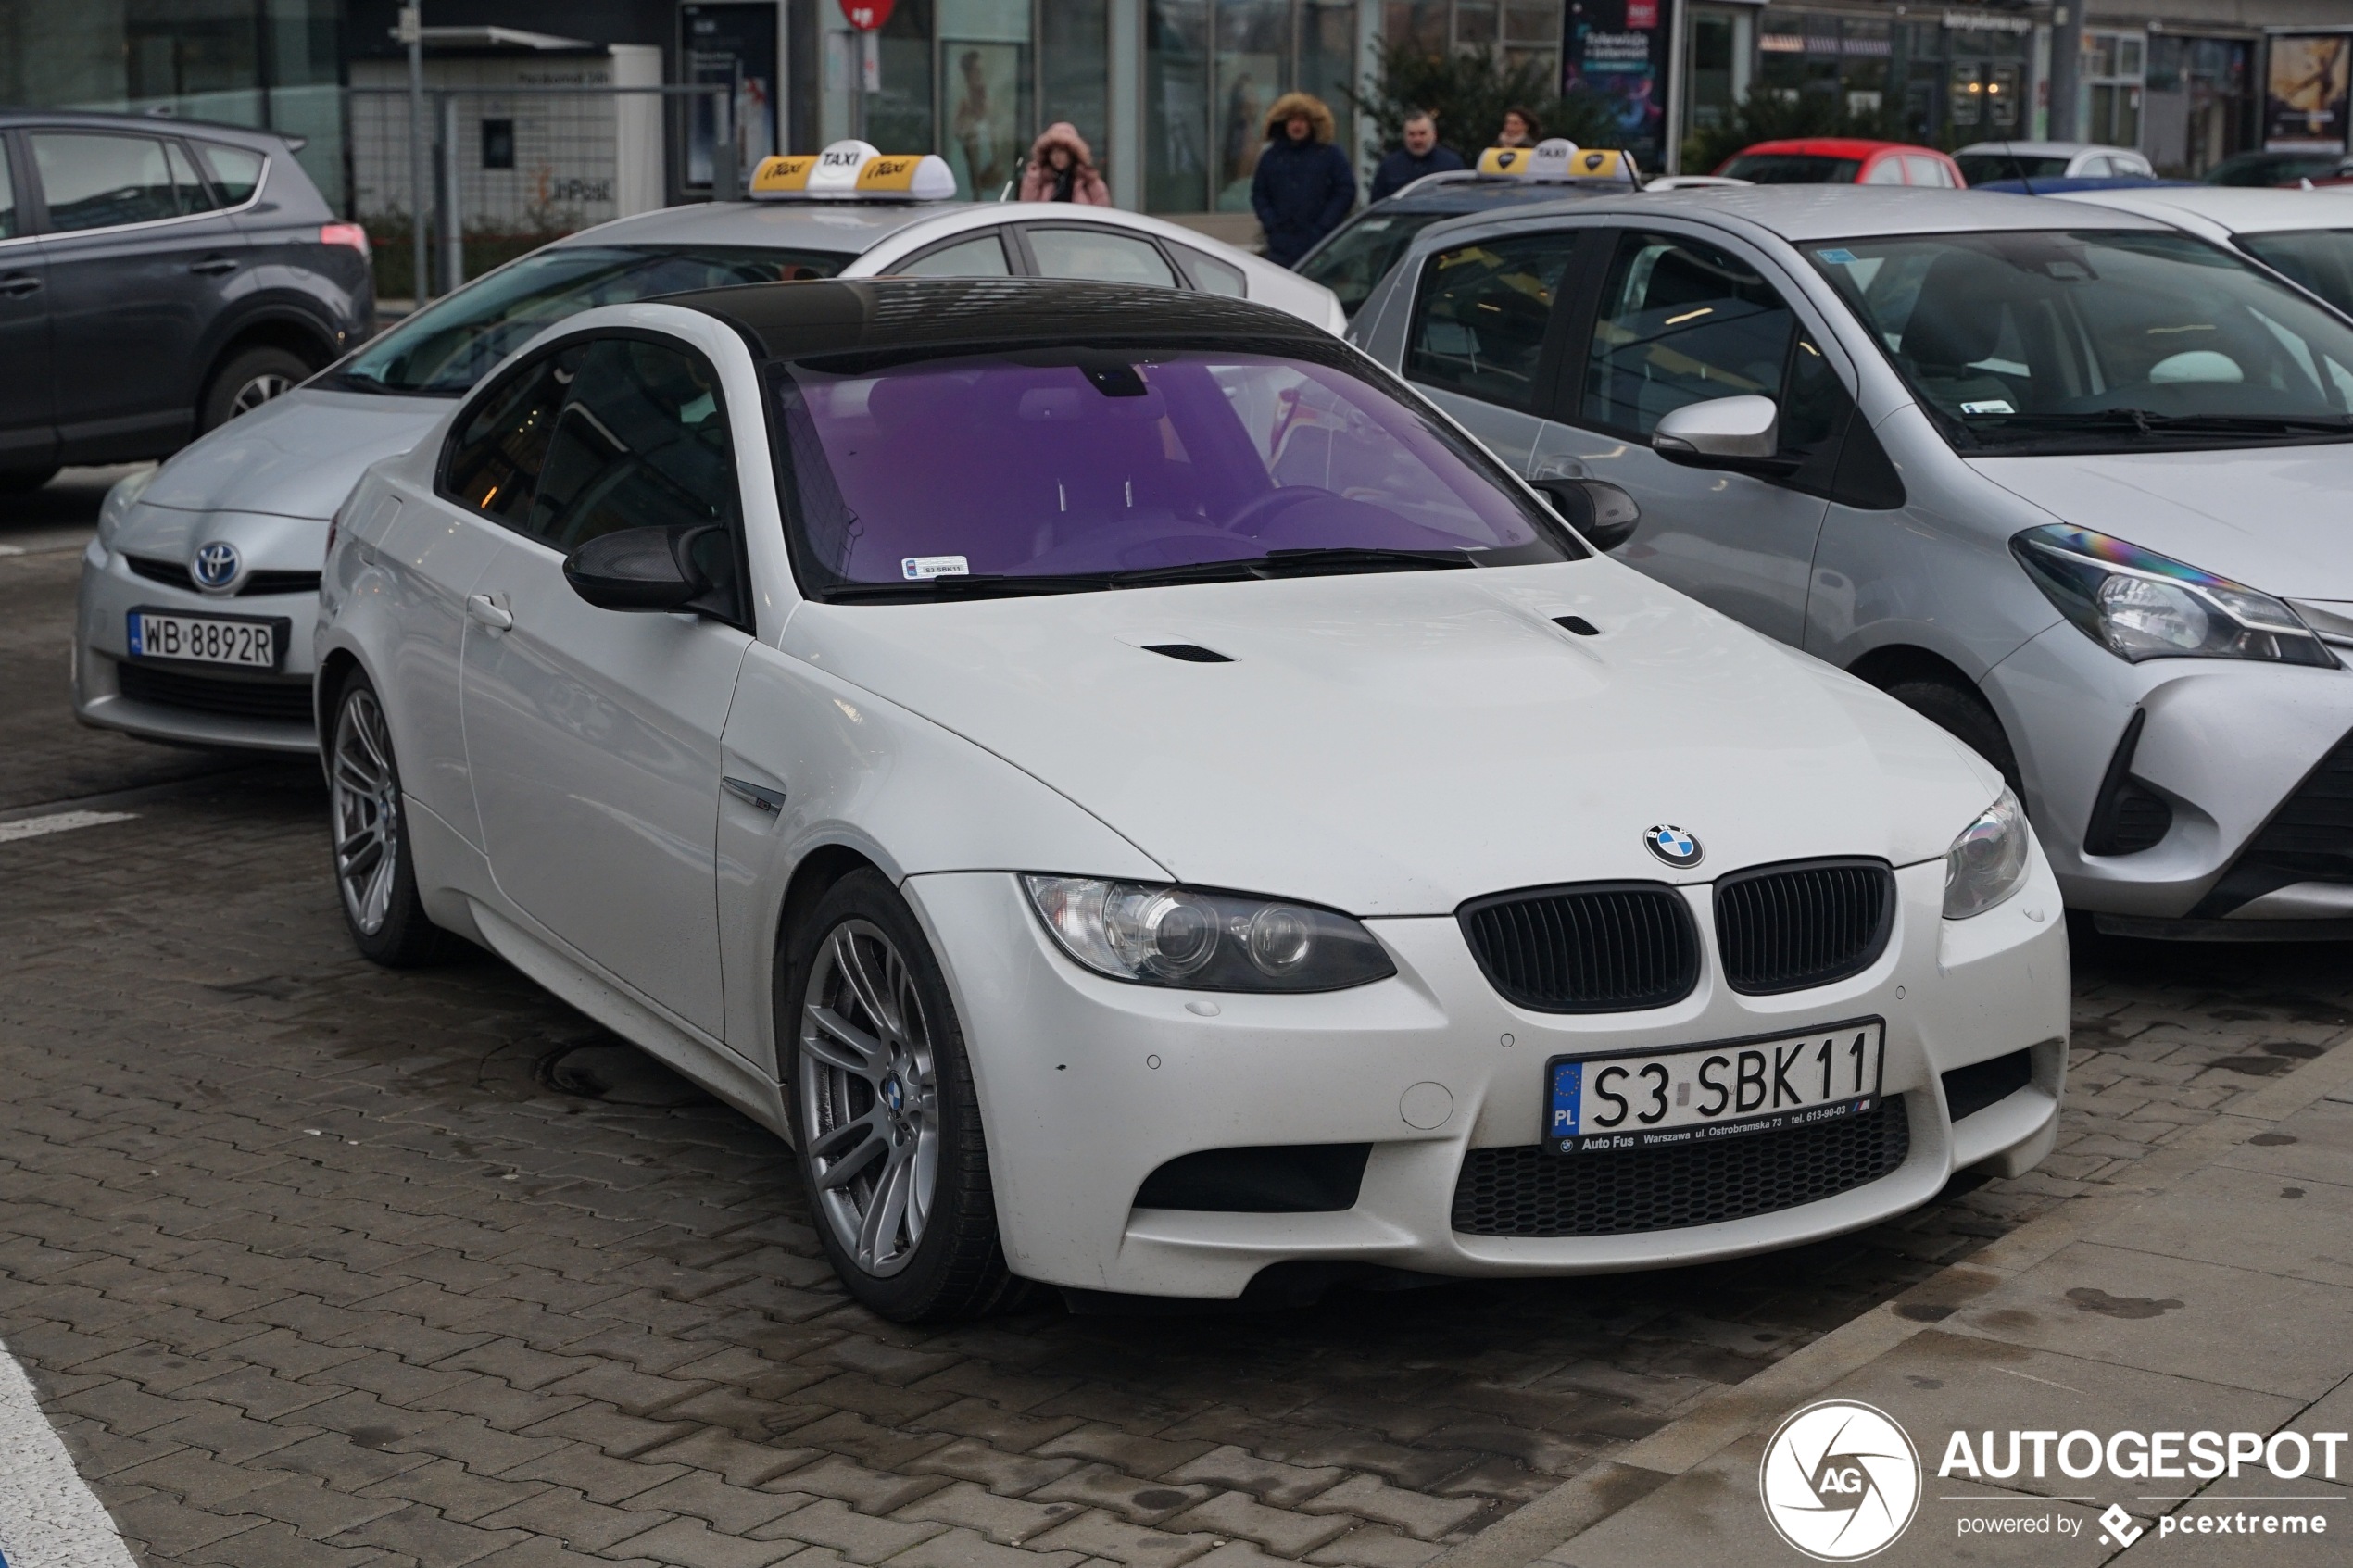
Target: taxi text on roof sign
853	172
1560	159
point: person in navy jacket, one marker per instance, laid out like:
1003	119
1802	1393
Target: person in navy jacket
1421	155
1303	185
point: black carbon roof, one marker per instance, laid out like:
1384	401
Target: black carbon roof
886	315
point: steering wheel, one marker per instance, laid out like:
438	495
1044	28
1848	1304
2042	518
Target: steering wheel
1259	511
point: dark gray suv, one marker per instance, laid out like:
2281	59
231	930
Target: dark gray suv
157	278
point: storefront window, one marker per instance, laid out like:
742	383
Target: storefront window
1212	69
2114	66
1074	75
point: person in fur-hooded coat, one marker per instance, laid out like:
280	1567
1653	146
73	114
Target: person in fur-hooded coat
1303	185
1062	168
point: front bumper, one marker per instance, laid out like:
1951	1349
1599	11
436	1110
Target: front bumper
2224	744
182	702
1088	1085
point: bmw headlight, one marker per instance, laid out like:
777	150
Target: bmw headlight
119	499
1989	862
2139	605
1198	941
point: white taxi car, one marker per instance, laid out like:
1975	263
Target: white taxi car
198	592
1145	804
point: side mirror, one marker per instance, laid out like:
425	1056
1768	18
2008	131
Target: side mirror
1741	433
1602	515
642	569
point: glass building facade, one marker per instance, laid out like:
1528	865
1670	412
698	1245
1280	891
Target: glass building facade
270	63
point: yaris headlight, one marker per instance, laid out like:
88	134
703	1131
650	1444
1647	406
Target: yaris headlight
2139	605
124	493
1196	941
1989	862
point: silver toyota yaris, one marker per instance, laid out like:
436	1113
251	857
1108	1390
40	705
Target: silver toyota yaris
2065	479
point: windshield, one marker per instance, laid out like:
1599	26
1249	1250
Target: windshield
2320	259
1360	254
1792	169
1078	467
1980	169
2090	341
2272	169
448	346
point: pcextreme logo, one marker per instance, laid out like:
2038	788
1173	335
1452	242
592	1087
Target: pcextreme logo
1841	1481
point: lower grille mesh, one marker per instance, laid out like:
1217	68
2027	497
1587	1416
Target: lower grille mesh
280	701
1527	1191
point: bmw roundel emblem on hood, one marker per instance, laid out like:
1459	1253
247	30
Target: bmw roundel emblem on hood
1672	845
216	565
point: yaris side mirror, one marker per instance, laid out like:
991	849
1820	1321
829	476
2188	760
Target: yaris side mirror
643	568
1741	434
1603	516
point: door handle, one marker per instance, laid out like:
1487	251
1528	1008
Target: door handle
490	611
16	285
213	265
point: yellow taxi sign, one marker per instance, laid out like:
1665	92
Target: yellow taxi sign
853	170
1558	159
779	175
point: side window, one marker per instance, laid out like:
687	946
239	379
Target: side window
982	256
1886	171
494	457
1210	275
641	443
1480	321
98	180
1680	321
237	170
1836	453
1099	256
10	225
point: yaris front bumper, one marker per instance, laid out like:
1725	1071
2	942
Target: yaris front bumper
1088	1085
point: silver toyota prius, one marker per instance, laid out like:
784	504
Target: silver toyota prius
200	592
2065	479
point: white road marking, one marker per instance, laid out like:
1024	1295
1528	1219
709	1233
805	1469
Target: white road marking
49	1518
11	550
61	822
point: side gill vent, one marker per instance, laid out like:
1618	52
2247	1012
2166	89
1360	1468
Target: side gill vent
1191	653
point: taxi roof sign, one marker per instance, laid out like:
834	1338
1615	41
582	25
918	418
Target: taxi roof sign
1560	159
853	170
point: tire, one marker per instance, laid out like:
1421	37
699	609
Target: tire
1965	716
375	877
18	481
899	1194
245	381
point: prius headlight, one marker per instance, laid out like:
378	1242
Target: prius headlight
120	498
1989	862
1200	941
2139	605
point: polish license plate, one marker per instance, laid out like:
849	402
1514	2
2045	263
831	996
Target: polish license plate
206	639
1653	1099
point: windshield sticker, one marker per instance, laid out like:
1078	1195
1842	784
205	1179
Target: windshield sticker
1837	257
923	569
1992	405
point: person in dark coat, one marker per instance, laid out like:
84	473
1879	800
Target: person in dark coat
1303	185
1421	155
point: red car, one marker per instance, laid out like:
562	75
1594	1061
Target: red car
1842	160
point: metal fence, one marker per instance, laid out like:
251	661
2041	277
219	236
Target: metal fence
507	168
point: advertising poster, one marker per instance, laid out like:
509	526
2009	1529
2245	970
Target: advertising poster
721	43
1618	49
2304	96
984	143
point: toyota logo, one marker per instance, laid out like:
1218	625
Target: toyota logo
216	565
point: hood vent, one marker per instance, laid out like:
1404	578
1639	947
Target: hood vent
1191	653
1577	625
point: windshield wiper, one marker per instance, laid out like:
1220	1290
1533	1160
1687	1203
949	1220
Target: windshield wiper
981	585
2148	422
1298	563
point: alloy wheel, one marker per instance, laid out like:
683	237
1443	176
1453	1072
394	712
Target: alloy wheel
868	1082
367	817
259	390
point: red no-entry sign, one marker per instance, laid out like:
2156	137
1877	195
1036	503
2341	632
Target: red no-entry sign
866	16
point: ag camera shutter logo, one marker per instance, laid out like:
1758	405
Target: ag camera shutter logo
1841	1481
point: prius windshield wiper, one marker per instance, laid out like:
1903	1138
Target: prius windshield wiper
2148	422
1296	563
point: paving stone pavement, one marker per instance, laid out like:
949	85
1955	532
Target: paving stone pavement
313	1263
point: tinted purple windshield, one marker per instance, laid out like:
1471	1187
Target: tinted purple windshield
1113	462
